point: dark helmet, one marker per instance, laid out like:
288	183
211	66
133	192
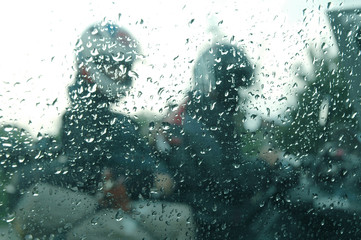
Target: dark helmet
221	70
104	55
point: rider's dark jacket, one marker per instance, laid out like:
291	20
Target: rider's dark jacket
94	138
212	175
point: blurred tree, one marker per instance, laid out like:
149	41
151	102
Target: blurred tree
323	105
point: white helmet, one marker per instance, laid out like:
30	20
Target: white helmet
104	56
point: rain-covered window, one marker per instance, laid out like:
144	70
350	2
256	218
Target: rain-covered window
180	120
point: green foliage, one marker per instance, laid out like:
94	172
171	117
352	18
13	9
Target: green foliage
327	93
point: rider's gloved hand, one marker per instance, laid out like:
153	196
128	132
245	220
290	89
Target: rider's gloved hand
164	183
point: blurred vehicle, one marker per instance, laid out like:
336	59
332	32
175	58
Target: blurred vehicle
324	200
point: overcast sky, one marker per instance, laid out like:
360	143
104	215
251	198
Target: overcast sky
38	39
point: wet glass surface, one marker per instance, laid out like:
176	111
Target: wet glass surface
242	119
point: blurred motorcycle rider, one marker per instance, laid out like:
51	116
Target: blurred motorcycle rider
92	191
200	146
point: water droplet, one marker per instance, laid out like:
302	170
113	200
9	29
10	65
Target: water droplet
118	57
10	218
133	74
304	11
94	31
282	99
236	165
151	126
94	52
89	139
119	215
224	226
214	208
7	145
160	91
29	237
9	129
94	221
35	191
21	159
